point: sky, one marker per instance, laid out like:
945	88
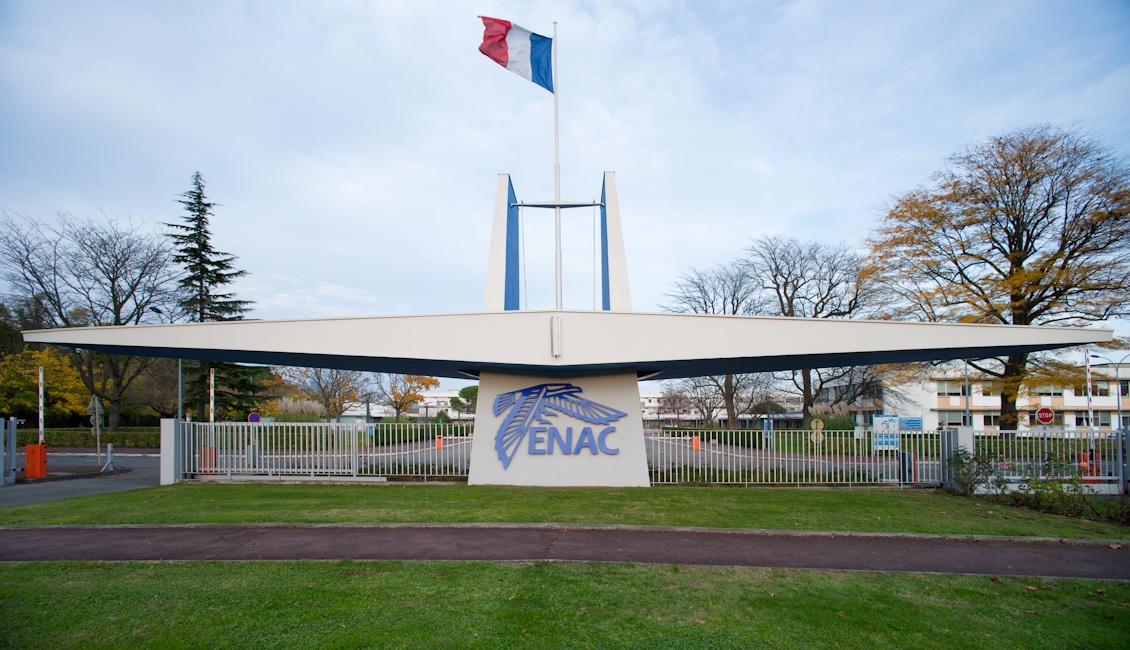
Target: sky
353	147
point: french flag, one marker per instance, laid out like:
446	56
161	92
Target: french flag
519	50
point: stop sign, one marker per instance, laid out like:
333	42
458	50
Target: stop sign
1045	415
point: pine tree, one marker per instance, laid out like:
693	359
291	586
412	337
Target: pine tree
206	272
206	268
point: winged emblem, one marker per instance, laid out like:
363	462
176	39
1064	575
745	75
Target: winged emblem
537	403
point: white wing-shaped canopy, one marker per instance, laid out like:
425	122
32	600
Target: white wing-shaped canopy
663	346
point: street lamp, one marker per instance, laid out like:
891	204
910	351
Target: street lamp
1117	382
1118	405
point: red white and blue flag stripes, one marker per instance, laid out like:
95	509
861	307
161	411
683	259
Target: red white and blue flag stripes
519	50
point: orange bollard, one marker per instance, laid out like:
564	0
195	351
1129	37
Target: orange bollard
439	442
1089	466
206	461
694	443
36	462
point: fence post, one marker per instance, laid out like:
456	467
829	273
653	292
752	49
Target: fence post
172	446
354	437
965	439
9	444
945	448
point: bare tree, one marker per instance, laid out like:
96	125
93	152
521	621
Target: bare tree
86	272
703	397
1032	227
810	280
674	401
727	289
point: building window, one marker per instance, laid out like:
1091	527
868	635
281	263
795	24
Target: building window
951	388
990	389
1102	419
1048	391
1098	389
992	418
953	419
1124	387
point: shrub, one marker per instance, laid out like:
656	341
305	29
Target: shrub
145	437
299	417
833	422
1055	486
967	472
292	409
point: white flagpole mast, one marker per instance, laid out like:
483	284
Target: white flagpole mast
556	169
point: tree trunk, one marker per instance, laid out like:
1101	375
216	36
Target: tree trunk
1015	369
731	408
113	414
807	398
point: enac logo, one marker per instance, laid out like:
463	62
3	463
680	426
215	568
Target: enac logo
530	407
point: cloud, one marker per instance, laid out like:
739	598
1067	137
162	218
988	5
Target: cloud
354	146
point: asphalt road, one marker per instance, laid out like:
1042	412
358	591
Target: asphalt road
146	472
565	543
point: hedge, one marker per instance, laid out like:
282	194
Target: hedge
144	437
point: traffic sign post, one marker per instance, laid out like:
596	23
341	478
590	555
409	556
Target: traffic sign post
1045	416
94	410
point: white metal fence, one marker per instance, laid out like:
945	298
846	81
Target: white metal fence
319	450
1017	456
905	458
349	451
790	457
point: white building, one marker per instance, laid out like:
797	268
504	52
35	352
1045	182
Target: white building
945	400
654	417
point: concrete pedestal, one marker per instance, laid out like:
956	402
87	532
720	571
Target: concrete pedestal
563	430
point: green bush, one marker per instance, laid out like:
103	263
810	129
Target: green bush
144	437
1056	486
969	472
299	417
833	422
749	438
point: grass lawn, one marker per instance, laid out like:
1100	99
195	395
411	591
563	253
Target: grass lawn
551	605
903	511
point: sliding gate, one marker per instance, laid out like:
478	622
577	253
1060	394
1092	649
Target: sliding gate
324	450
787	457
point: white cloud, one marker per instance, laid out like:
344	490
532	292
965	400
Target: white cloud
354	146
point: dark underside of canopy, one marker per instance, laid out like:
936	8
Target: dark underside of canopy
670	369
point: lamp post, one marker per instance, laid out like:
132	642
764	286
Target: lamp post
967	417
1122	452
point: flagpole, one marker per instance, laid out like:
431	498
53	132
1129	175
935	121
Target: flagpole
556	169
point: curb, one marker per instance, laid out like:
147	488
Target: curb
1078	541
68	477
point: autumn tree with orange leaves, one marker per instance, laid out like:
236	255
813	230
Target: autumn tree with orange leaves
401	392
1027	228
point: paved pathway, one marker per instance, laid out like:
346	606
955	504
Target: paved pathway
537	542
600	544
